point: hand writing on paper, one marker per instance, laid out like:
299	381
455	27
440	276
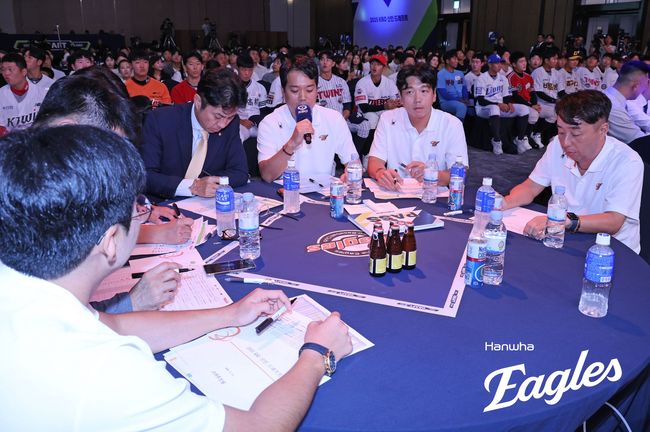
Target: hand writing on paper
535	227
177	231
157	287
332	333
259	302
389	179
159	212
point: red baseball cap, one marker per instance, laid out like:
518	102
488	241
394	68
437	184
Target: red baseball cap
380	58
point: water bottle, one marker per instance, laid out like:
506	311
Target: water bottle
475	259
556	218
249	228
597	279
355	172
291	183
495	249
484	203
458	170
225	206
430	186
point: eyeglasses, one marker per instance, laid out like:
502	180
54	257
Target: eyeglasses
143	207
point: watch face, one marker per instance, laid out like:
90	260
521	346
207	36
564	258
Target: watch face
330	365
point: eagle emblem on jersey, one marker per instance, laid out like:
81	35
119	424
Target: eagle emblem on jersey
598	185
323	137
434	143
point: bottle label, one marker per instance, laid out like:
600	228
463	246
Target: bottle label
395	262
599	269
484	201
249	221
457	170
225	200
495	244
556	213
291	180
377	266
409	258
474	272
430	175
355	174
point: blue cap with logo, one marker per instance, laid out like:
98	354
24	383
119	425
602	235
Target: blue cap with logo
494	58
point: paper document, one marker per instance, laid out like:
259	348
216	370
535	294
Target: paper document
200	230
516	218
234	365
411	188
205	206
421	219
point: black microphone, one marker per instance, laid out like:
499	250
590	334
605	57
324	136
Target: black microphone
304	112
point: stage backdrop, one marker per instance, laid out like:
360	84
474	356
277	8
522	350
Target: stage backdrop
396	22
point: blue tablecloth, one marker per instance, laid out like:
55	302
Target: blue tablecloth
427	372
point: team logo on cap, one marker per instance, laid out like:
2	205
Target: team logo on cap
347	243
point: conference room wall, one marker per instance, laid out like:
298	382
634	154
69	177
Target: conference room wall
138	17
519	21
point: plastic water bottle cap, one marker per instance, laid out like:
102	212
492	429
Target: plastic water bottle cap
487	181
248	197
603	239
354	157
559	189
498	201
496	215
291	163
459	158
224	181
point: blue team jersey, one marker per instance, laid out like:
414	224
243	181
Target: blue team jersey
451	85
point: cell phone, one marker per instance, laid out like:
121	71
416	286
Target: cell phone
229	266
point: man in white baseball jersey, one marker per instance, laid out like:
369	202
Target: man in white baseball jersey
250	115
547	85
19	100
493	97
608	74
334	93
568	74
476	64
376	93
589	76
34	58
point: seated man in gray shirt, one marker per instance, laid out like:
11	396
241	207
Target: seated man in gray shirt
631	82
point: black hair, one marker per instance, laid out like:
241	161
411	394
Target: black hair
515	56
611	56
80	54
548	53
138	54
631	68
326	53
449	54
221	88
94	96
15	58
192	54
306	66
36	52
587	106
88	179
244	60
422	71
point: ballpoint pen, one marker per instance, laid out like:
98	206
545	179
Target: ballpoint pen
177	211
140	274
314	181
268	321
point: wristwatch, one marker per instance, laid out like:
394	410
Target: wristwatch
328	356
574	220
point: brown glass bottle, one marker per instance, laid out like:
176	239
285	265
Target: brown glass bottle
394	247
377	252
409	248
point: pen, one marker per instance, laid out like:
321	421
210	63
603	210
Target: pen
453	213
206	173
139	275
395	178
176	211
403	165
247	280
268	321
314	181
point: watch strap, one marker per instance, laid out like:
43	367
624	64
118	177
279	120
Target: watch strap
314	346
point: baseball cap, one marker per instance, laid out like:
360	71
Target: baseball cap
380	58
494	58
575	55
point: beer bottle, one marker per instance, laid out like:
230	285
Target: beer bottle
377	252
394	247
409	249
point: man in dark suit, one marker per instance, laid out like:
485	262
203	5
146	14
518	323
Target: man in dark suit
186	148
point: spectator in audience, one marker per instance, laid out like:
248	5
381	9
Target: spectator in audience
265	58
608	74
281	138
276	92
174	68
632	82
250	115
375	94
407	136
34	58
506	68
275	69
534	61
638	110
334	93
186	148
539	43
125	69
524	100
258	70
602	176
19	100
451	87
342	68
561	62
569	76
434	61
356	67
492	92
476	64
143	85
49	63
50	271
184	92
157	72
407	59
109	62
589	76
547	85
463	61
80	59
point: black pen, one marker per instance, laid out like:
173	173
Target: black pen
206	173
395	178
139	275
176	211
314	181
268	321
